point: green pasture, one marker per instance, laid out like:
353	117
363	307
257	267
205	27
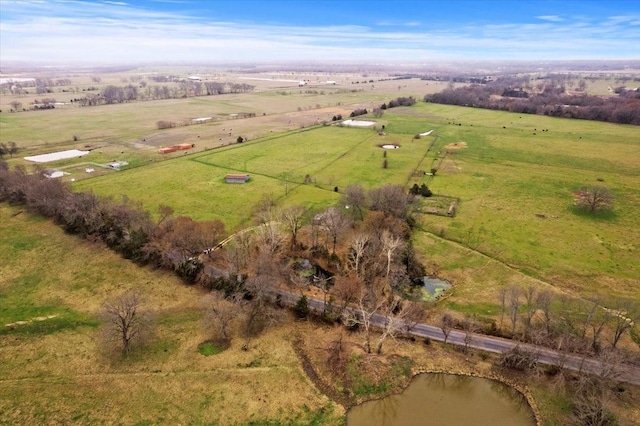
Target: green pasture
332	156
515	190
513	174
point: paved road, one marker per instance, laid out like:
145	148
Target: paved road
625	373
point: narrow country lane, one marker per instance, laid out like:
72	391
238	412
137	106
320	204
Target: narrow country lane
624	372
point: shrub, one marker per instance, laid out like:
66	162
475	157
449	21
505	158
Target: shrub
301	308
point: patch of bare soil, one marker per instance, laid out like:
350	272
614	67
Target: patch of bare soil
454	146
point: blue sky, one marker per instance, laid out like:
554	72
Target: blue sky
209	32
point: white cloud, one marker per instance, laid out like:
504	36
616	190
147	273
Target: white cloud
113	31
551	18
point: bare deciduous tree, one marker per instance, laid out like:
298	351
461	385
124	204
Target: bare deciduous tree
259	315
396	312
369	303
337	356
124	321
220	315
594	198
270	237
502	294
513	296
357	252
355	197
390	244
543	302
292	218
334	223
392	200
624	316
187	238
237	253
445	322
531	308
470	327
346	290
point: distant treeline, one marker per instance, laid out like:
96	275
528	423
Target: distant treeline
120	94
548	99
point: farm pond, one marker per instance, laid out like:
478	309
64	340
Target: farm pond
432	287
439	399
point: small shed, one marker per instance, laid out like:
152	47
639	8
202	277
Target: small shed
167	150
236	178
176	147
184	145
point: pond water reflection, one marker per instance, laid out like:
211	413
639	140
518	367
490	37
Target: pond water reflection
437	399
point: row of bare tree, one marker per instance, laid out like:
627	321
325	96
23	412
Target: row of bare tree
185	89
566	323
172	242
548	99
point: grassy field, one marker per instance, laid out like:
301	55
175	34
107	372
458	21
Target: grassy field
515	187
55	368
331	156
513	174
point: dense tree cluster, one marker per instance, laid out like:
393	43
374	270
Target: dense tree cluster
546	98
358	111
401	101
421	190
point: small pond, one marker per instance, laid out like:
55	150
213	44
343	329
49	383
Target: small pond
438	399
434	287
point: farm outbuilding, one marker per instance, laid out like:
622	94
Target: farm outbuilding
115	165
236	178
185	145
176	147
167	150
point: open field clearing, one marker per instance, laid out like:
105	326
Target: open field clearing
331	156
199	190
59	370
128	123
516	196
514	175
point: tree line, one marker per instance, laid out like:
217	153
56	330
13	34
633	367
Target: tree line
546	98
112	94
367	259
363	245
185	89
123	225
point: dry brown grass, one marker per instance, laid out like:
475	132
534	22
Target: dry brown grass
71	376
67	377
